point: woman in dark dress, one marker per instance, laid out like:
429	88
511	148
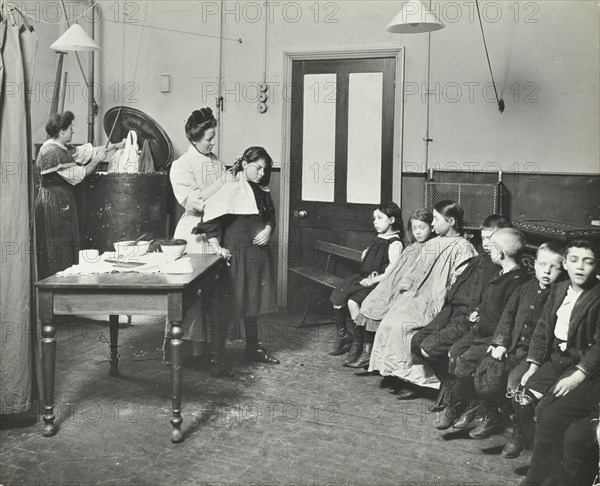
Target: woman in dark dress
56	222
246	287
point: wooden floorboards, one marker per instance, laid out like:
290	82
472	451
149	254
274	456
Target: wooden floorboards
306	421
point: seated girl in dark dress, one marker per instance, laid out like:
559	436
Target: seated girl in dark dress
385	250
239	221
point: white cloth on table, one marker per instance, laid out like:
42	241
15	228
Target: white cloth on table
160	264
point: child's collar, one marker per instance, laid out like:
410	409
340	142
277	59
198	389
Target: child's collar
503	272
387	235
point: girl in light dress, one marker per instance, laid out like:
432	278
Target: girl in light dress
423	289
378	302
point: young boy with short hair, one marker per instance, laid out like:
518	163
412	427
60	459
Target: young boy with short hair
510	342
506	246
463	298
564	357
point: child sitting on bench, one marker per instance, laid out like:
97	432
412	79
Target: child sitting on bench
385	250
564	356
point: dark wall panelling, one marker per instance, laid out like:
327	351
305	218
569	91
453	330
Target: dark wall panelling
561	197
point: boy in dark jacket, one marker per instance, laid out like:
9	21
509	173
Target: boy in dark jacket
506	246
564	357
463	298
510	342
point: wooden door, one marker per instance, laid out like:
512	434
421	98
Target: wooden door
341	151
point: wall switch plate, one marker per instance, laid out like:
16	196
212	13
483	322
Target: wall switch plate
165	83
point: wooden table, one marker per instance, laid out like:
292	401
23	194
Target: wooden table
120	294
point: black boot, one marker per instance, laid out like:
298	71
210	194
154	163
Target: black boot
492	422
343	338
254	350
357	345
444	419
523	426
365	357
516	444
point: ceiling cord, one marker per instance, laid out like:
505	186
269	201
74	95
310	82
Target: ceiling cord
499	100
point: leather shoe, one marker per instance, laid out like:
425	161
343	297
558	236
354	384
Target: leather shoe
406	394
513	449
261	355
467	417
364	359
486	428
446	418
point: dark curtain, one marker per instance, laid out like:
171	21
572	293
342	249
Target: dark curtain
18	45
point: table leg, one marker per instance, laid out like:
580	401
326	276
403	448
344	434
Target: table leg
176	379
114	345
48	367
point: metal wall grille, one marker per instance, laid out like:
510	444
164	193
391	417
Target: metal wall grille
477	200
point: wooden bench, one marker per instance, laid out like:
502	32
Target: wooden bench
324	277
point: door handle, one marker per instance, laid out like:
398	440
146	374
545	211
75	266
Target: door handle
300	214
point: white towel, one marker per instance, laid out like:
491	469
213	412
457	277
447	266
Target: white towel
126	160
235	197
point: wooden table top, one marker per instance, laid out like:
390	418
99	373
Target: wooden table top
131	281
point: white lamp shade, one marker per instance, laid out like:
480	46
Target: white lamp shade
75	39
414	18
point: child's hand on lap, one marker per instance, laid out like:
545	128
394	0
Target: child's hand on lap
567	384
498	352
532	369
367	282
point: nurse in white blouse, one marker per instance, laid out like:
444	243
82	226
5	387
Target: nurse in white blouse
196	176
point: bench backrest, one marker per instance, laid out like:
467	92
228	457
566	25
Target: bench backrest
338	250
331	249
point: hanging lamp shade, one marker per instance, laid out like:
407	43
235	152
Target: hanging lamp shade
414	18
75	39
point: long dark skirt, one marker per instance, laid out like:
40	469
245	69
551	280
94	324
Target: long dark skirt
246	288
57	229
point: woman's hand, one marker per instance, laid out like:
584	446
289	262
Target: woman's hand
262	238
225	253
99	156
116	146
219	250
364	254
474	317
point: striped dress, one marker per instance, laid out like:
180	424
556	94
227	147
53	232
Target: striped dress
429	277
